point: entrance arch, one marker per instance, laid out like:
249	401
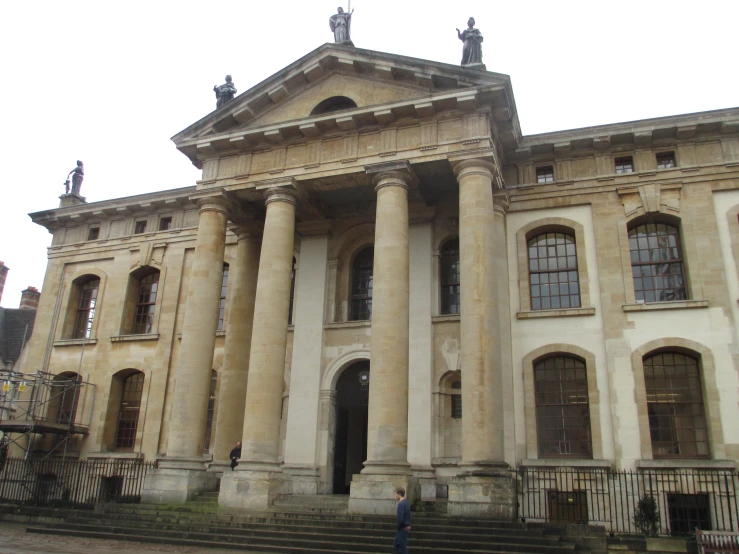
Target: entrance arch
351	410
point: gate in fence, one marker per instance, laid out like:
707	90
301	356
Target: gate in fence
72	483
683	498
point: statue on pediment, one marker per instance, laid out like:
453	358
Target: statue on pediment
78	174
224	92
472	49
341	26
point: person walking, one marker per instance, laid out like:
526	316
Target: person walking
235	455
404	522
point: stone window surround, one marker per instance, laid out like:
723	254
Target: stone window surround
441	394
342	253
688	247
532	449
547	224
436	277
127	318
710	391
69	308
112	400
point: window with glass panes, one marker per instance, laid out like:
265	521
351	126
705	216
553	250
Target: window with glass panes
545	174
449	277
86	309
456	400
553	276
222	305
657	263
361	291
143	321
666	160
211	410
624	165
128	412
292	294
562	408
677	421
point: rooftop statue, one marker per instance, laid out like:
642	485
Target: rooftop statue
224	92
79	175
472	49
341	25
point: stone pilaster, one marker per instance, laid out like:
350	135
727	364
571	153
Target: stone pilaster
387	430
229	422
182	473
258	480
485	485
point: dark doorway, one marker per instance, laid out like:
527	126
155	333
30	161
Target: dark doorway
350	440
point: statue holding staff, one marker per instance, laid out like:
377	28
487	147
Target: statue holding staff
341	25
78	174
472	49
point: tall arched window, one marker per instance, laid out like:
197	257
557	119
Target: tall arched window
361	300
562	408
553	272
88	293
657	263
211	410
292	294
222	305
128	411
449	278
143	321
677	421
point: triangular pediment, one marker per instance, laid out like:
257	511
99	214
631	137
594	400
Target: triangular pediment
381	85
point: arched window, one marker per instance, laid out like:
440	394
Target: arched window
128	411
334	104
143	321
562	408
211	410
292	294
553	272
449	278
88	293
677	421
456	400
657	263
361	300
65	394
222	305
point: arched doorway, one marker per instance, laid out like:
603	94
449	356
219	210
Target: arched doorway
350	447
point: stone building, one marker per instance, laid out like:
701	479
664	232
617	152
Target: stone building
419	294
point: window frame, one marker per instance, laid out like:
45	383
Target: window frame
621	160
132	430
543	178
168	220
536	276
664	155
139	226
94	230
210	419
88	312
223	298
366	299
445	253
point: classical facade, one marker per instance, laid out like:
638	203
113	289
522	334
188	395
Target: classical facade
379	281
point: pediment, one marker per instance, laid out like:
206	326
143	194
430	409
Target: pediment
383	86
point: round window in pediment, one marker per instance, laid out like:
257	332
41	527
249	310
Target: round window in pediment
334	104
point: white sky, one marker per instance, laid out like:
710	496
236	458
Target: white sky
109	82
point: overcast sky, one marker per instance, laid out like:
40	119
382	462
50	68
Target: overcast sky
109	82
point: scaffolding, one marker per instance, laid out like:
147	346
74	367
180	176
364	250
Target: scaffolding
43	404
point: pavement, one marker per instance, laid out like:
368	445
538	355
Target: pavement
15	540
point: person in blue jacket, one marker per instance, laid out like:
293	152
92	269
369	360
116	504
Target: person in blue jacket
404	522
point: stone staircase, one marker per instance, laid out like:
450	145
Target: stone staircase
305	525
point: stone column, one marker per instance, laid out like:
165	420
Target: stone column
482	418
257	481
242	287
182	473
387	430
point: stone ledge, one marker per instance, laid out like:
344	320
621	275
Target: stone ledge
348	324
560	312
565	462
115	456
75	342
444	318
686	464
134	338
656	306
446	462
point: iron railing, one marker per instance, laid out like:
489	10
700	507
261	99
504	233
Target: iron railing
686	499
71	483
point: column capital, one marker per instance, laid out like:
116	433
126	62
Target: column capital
248	231
215	203
501	202
397	173
281	194
475	166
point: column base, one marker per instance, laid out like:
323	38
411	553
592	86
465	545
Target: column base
250	489
483	490
425	478
303	480
177	481
372	493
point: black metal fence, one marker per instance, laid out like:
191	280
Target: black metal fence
684	498
72	483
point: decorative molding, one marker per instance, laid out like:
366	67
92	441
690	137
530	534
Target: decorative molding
659	306
562	312
134	338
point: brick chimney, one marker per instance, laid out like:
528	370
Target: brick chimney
29	299
3	275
